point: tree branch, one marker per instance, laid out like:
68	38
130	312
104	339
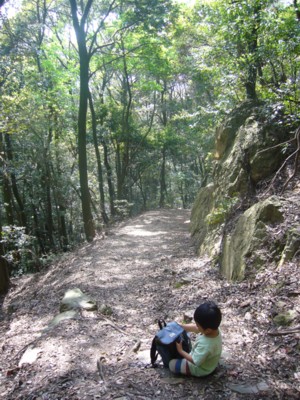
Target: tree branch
286	160
297	152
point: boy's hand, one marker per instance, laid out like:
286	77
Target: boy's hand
183	353
179	347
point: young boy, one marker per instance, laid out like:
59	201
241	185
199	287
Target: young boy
206	351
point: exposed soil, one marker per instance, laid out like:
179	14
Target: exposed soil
140	271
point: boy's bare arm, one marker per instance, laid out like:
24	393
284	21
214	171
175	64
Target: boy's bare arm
183	353
190	328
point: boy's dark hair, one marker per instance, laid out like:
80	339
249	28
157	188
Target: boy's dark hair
208	315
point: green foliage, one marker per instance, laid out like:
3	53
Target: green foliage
161	77
123	209
20	250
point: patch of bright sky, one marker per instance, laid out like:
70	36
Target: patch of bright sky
10	7
188	2
192	2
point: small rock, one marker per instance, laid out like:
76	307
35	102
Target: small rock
76	299
248	316
188	316
30	356
248	389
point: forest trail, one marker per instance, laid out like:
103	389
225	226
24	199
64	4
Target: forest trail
140	271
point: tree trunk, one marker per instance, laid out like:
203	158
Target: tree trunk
4	277
163	186
109	175
123	155
98	158
164	120
251	78
296	6
250	84
111	190
15	190
6	188
88	222
49	216
63	228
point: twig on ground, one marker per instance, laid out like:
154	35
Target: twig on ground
285	332
134	348
100	368
106	321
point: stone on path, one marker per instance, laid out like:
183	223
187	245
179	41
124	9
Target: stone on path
75	299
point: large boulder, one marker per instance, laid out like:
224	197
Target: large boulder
248	238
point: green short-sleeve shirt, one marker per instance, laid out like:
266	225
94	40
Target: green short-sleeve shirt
206	353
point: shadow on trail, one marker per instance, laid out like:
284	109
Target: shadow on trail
142	270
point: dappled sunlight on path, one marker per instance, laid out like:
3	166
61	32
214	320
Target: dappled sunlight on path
141	270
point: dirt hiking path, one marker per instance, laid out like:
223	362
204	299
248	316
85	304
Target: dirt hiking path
143	270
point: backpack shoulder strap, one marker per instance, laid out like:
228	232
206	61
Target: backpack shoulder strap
161	323
153	352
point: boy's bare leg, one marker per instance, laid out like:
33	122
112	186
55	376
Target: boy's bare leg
179	366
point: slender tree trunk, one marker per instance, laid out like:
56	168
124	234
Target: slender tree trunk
98	158
60	199
4	276
109	174
143	194
250	84
88	222
46	182
123	155
7	199
164	118
111	190
163	186
15	190
6	187
297	9
37	230
83	174
63	228
253	67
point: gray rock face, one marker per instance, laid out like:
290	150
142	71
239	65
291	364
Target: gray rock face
248	236
247	151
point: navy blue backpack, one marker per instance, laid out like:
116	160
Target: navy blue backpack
164	342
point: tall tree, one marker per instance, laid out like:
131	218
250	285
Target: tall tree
84	60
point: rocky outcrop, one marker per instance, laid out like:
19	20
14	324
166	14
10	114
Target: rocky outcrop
228	223
248	236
